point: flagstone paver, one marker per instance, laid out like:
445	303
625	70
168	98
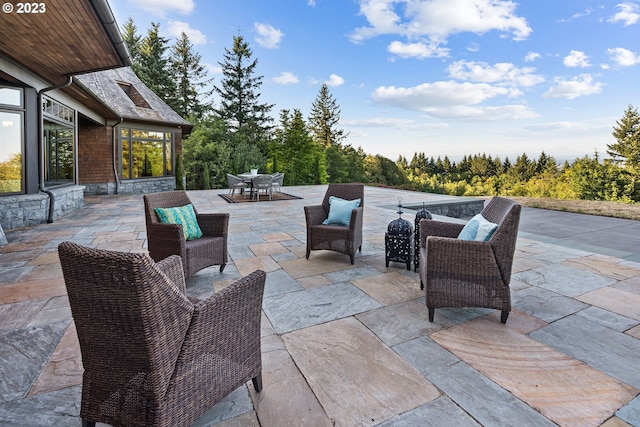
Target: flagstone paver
350	344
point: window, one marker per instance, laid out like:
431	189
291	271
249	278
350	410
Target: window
59	143
146	153
11	140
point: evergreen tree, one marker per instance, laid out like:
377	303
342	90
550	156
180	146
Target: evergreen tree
626	149
300	158
132	41
190	77
324	118
240	104
153	67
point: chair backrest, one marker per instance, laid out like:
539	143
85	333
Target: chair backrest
278	178
233	180
506	213
130	318
349	191
262	181
165	199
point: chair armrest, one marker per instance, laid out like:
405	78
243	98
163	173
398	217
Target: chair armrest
430	227
467	260
357	219
315	214
214	224
227	324
172	268
165	240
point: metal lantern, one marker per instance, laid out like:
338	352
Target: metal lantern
397	239
420	215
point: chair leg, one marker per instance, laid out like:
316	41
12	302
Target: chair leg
421	285
86	423
308	253
222	266
352	261
431	313
503	316
257	382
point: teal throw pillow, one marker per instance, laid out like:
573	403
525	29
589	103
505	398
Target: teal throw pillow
340	210
183	215
478	228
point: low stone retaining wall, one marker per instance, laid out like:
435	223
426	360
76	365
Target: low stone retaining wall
464	208
26	210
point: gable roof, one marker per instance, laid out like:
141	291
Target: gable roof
107	87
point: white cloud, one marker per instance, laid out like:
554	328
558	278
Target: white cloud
438	19
213	68
629	14
576	59
502	73
623	57
417	50
578	86
450	99
164	8
531	56
196	37
286	78
392	122
268	36
334	80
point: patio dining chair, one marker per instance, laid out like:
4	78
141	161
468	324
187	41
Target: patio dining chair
236	183
263	183
151	357
278	179
469	265
165	239
336	224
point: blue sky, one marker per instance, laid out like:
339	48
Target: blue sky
443	77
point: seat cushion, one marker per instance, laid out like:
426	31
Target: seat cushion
183	215
340	210
478	228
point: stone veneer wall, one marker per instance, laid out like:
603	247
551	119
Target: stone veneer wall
26	210
133	186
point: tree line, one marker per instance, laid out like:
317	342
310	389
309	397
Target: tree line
239	133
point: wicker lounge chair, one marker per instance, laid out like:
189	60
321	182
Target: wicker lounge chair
168	239
151	357
340	238
263	183
468	273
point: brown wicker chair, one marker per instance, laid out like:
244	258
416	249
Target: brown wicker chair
168	239
150	356
344	239
464	273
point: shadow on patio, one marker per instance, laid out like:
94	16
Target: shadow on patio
346	344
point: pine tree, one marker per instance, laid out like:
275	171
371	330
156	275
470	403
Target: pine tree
153	67
626	149
190	77
240	104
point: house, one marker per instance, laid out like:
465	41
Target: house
74	118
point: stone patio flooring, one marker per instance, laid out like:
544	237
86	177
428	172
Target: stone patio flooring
351	345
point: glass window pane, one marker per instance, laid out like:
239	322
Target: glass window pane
168	157
59	165
124	132
147	158
10	96
10	152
